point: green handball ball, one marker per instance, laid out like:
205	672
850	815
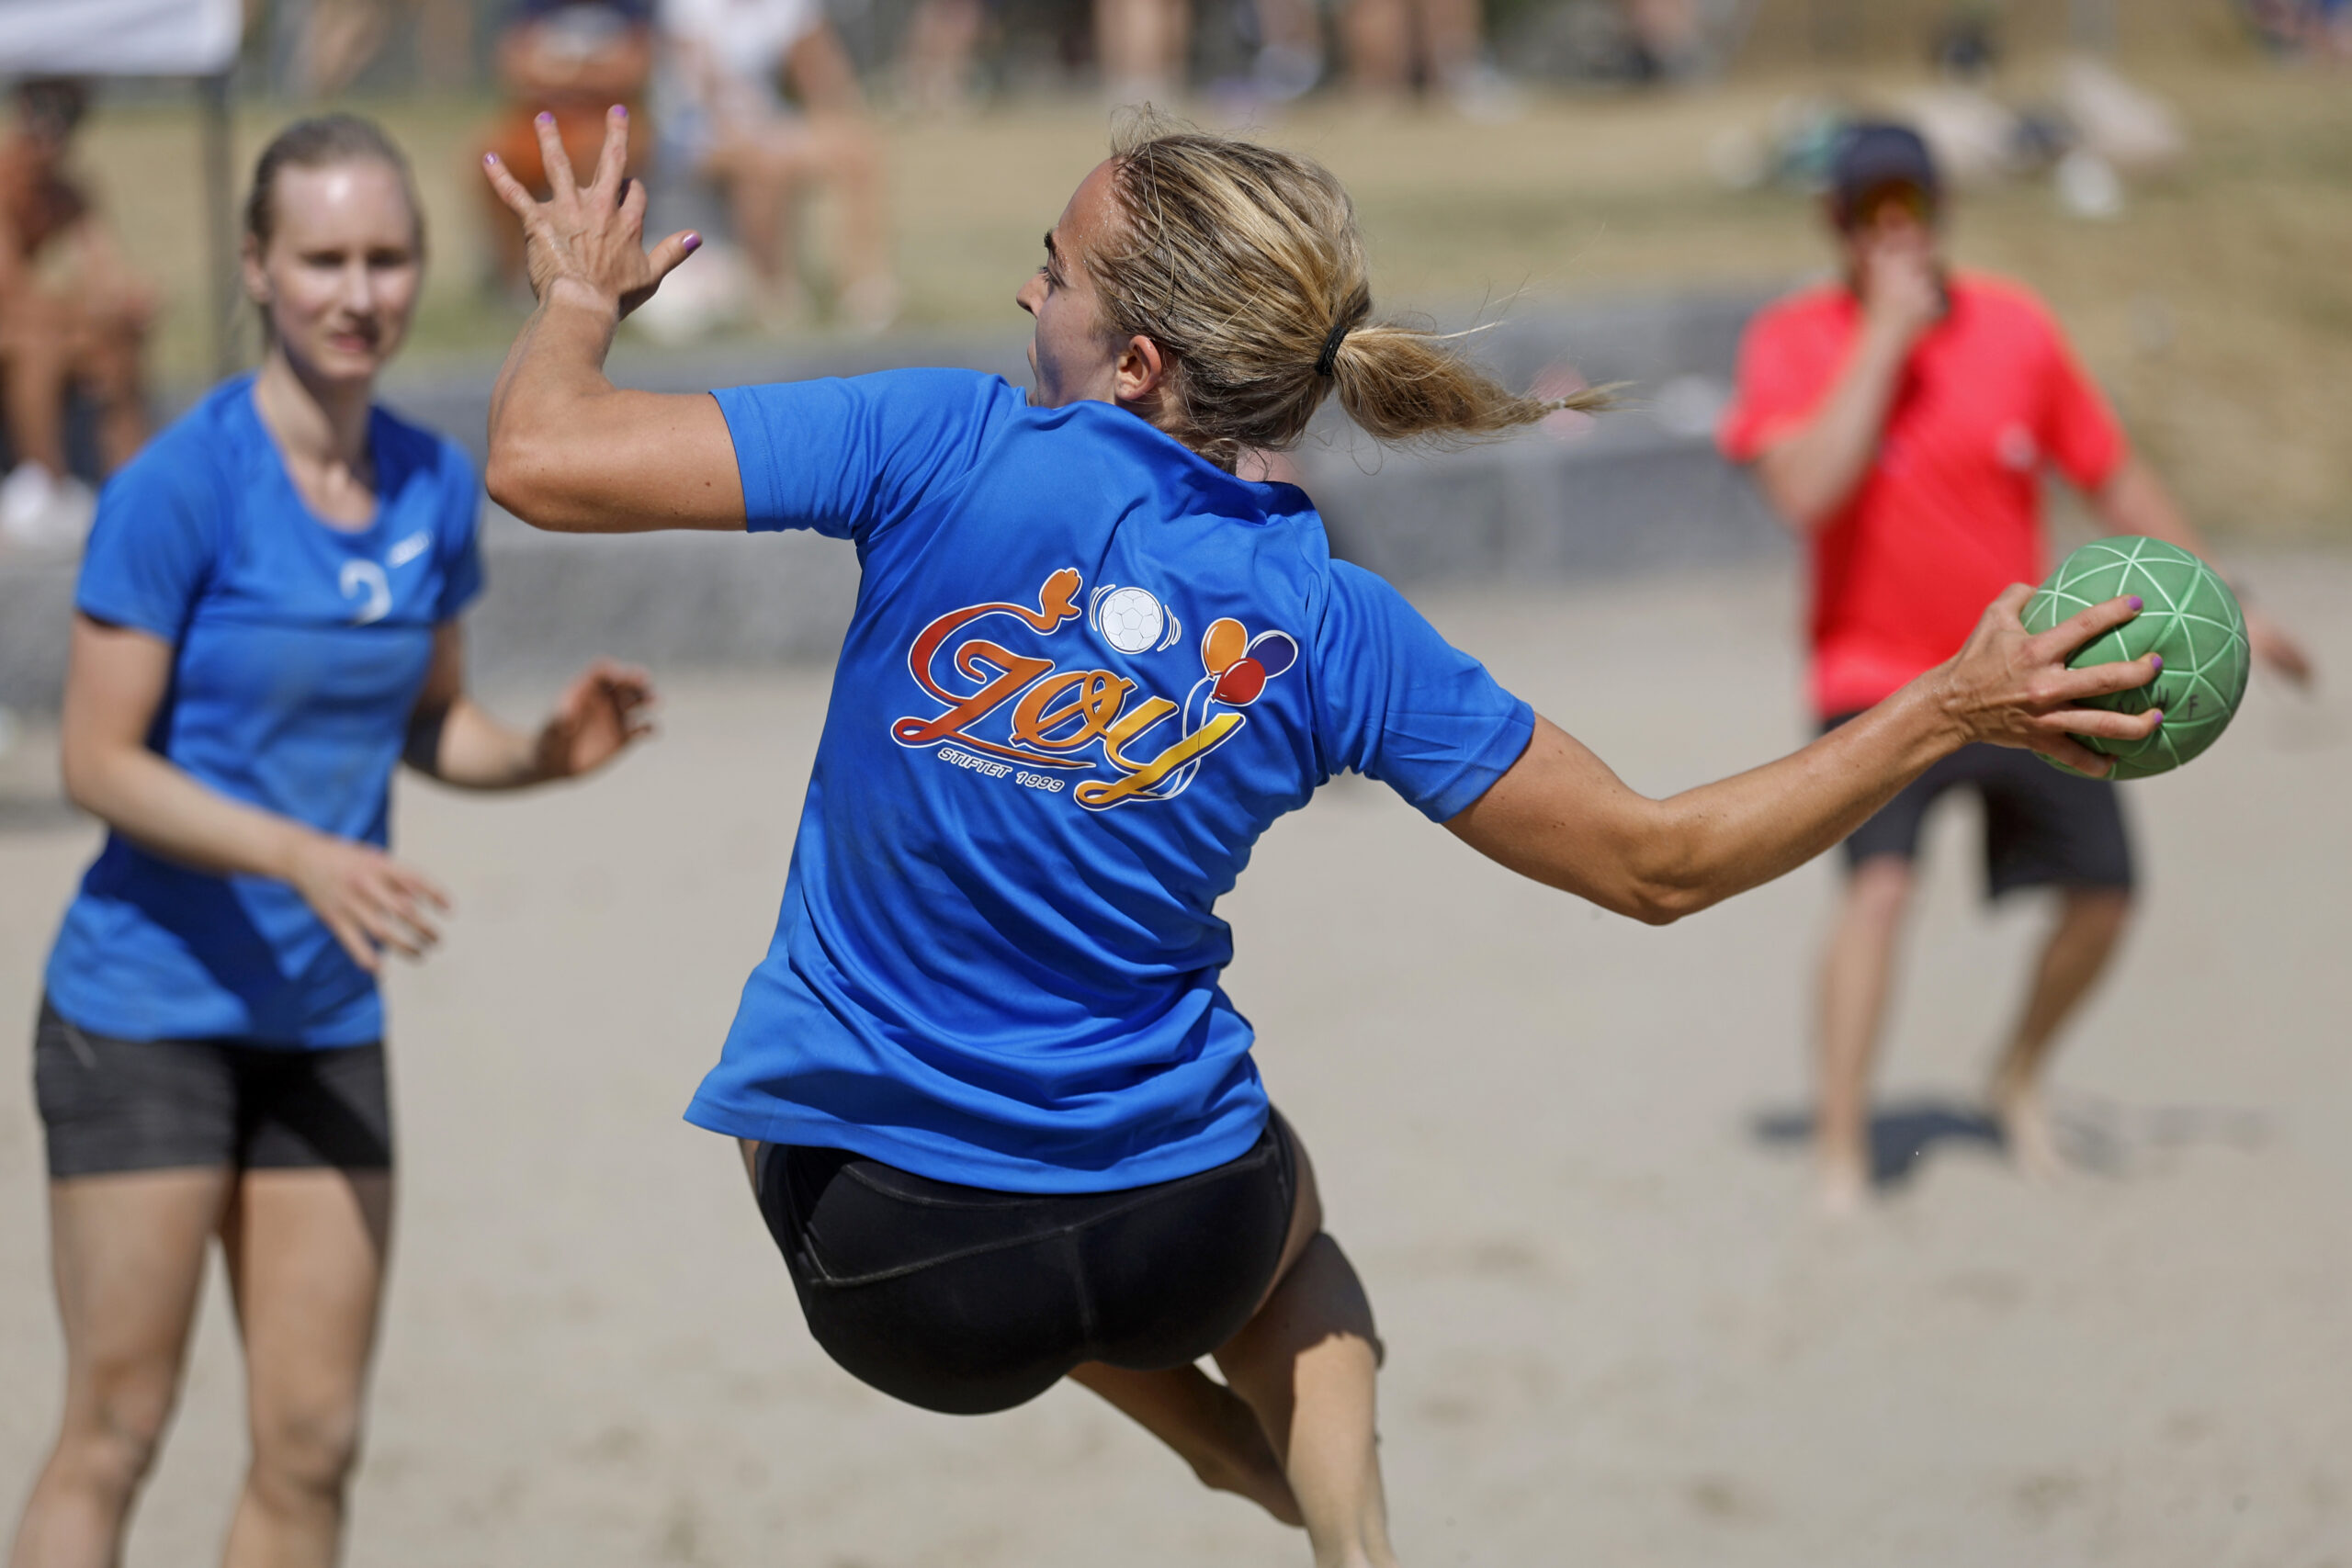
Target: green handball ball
2190	618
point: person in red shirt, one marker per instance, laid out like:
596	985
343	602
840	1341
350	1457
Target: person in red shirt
1901	421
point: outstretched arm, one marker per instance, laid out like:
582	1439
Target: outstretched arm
607	709
568	451
1560	816
2134	500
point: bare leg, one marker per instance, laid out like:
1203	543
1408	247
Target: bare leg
941	36
38	365
110	371
2090	924
1307	1365
1142	44
306	1253
1449	31
127	1252
1856	975
1209	1425
1379	46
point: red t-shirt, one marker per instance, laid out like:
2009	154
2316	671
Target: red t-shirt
1949	511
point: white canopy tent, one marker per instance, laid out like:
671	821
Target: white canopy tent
145	38
118	37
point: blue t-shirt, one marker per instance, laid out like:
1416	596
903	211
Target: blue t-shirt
1086	669
297	650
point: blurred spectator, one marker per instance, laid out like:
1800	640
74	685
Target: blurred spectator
725	119
335	39
1668	39
1143	47
2318	27
573	59
73	319
935	68
1391	44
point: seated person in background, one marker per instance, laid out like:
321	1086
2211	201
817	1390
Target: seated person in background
571	59
724	119
72	318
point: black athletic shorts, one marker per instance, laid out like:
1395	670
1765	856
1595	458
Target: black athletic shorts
966	1301
2042	827
118	1105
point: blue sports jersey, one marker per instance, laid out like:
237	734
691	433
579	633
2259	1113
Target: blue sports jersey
1086	669
297	650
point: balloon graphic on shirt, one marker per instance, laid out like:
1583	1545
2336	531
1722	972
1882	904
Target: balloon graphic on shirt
1224	641
1273	651
1239	685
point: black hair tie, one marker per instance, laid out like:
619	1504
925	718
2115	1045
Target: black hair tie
1324	361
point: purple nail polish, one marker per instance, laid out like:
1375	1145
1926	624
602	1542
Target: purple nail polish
2160	716
546	118
2137	602
2158	660
691	243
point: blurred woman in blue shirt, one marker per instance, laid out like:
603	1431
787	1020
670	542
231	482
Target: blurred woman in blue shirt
266	626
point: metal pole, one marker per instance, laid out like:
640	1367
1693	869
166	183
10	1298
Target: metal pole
219	219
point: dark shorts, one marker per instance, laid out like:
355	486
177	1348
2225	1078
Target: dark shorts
119	1105
2042	827
966	1301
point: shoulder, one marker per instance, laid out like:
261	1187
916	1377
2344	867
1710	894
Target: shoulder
1808	309
195	460
418	445
973	390
2005	303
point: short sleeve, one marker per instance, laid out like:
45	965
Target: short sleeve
152	546
2079	431
1398	702
461	535
850	457
1776	388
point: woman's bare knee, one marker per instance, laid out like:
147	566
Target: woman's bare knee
114	1424
305	1455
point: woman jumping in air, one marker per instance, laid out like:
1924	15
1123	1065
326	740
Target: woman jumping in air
267	625
1001	1118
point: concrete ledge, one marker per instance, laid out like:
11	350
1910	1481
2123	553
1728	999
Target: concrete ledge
1640	489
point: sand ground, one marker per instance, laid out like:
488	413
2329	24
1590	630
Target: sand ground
1559	1145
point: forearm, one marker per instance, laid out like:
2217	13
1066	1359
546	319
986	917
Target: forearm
1810	474
551	387
571	453
1725	838
462	745
2134	502
1560	816
160	807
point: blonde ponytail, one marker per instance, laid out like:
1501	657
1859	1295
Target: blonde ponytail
1244	265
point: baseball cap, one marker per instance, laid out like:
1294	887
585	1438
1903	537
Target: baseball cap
1871	155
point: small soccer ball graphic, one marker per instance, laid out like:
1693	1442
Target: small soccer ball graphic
1130	620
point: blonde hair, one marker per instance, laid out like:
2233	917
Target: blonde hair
1244	264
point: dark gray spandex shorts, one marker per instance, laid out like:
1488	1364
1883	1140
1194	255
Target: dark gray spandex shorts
964	1301
115	1105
